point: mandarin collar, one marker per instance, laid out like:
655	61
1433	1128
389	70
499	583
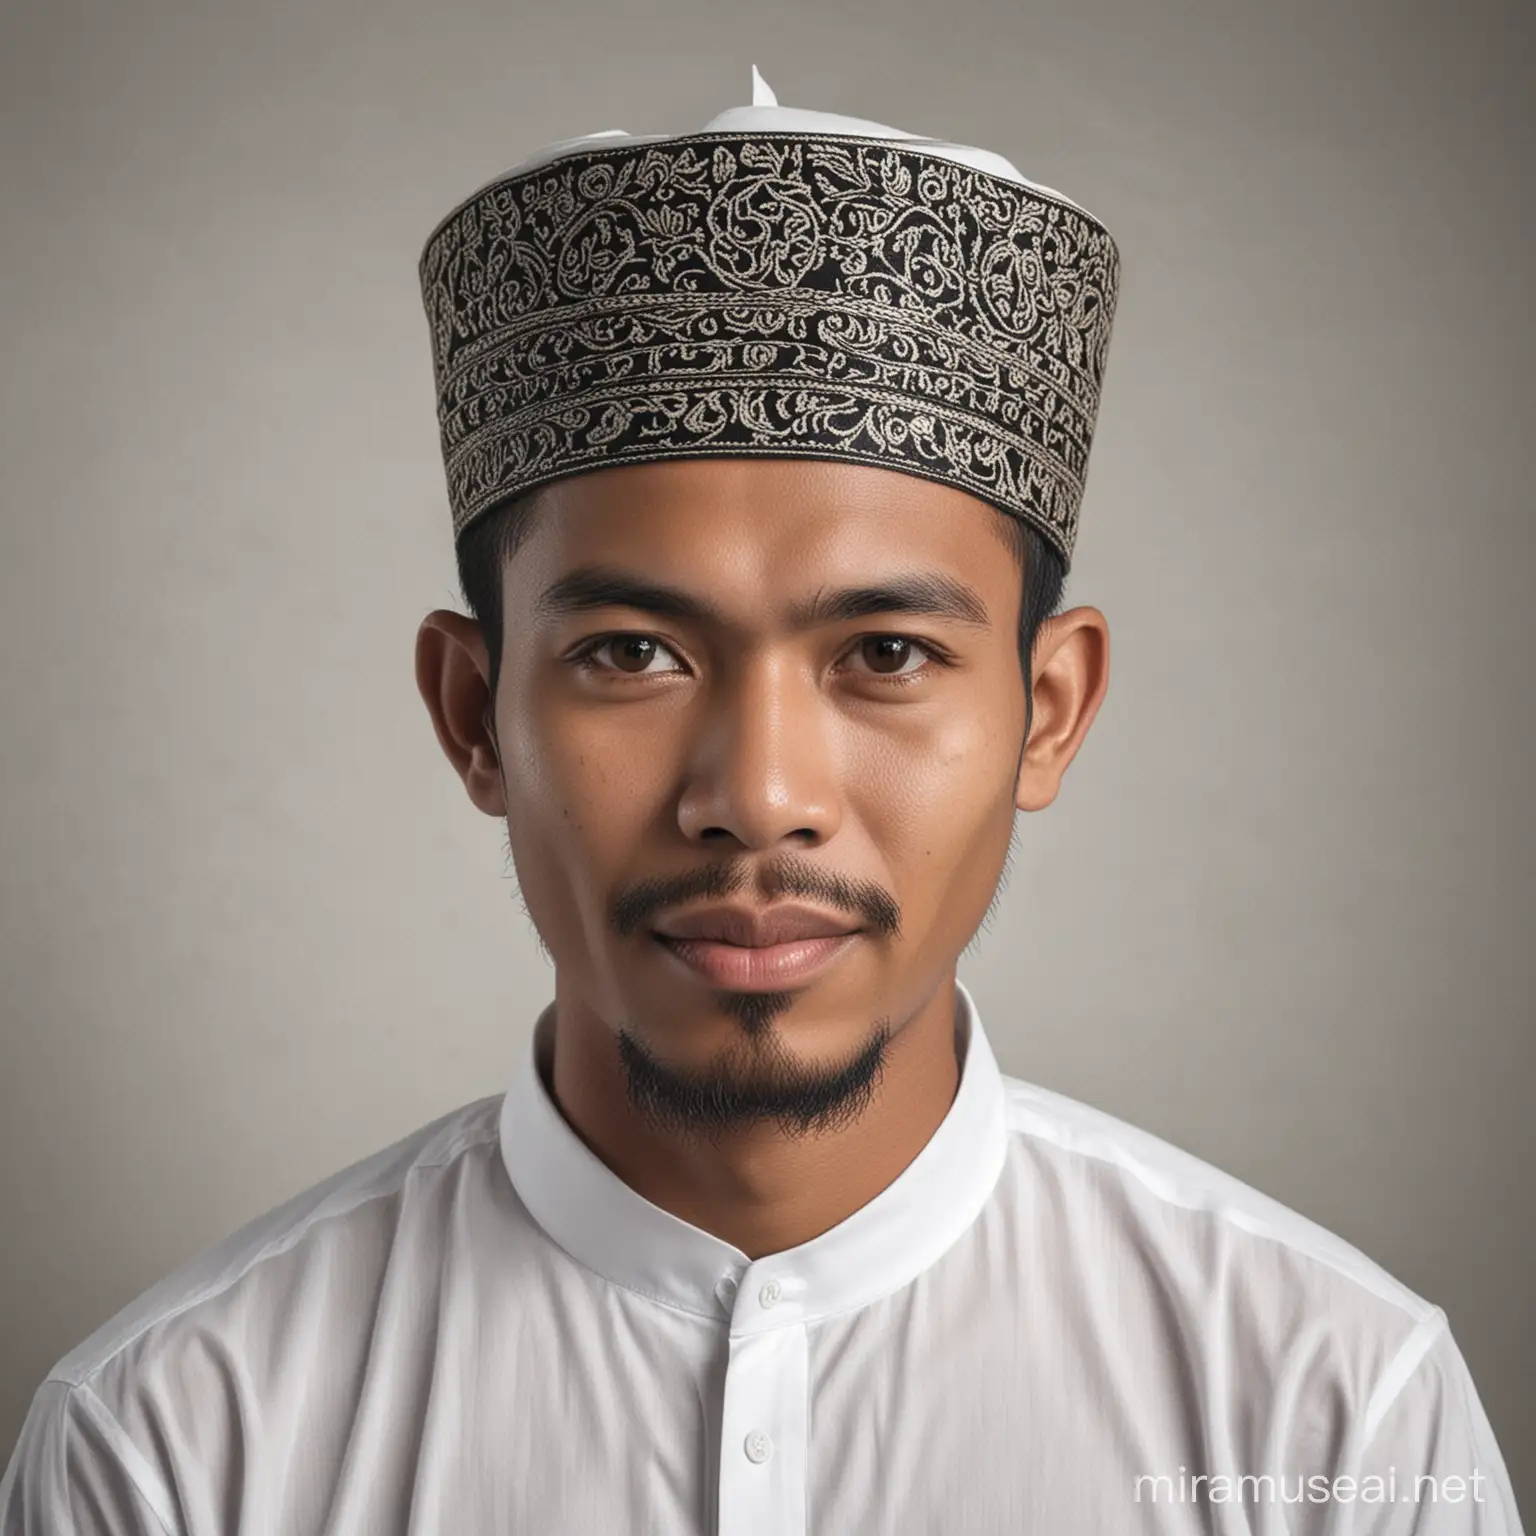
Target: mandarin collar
612	1229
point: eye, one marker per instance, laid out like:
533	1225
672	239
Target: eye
888	655
632	654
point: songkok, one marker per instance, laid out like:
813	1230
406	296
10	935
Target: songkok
782	282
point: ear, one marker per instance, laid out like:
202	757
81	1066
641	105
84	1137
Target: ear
1069	680
453	676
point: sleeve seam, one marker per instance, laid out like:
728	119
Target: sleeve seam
149	1487
1399	1371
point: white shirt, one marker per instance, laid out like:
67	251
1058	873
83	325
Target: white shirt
482	1329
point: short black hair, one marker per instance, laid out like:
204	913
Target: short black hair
486	546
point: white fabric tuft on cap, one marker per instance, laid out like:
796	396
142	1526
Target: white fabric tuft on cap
765	115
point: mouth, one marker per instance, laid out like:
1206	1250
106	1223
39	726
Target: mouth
756	968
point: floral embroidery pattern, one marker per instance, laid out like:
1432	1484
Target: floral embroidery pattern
774	293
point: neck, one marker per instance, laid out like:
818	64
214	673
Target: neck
756	1188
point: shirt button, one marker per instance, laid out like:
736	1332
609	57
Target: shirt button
726	1291
758	1446
770	1293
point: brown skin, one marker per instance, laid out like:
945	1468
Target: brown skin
752	757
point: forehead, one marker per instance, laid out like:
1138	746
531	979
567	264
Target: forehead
736	527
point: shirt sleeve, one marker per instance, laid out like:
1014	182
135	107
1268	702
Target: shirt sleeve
1440	1470
75	1472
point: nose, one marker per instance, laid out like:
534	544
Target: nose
762	764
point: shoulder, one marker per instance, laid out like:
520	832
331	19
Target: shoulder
370	1197
1188	1206
1303	1347
261	1332
1193	1275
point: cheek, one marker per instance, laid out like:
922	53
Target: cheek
925	792
579	805
583	779
938	809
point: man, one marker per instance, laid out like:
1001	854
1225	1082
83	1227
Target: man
765	447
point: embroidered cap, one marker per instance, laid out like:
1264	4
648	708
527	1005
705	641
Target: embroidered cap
781	283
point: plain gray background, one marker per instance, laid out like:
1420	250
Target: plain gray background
251	928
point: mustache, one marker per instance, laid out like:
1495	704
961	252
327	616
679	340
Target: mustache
783	876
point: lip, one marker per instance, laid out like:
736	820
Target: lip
757	967
755	927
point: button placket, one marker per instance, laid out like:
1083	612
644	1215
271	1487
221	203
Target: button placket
764	1421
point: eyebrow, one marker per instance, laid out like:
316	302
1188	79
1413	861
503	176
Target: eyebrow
918	592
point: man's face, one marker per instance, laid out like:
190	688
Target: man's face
861	759
744	684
